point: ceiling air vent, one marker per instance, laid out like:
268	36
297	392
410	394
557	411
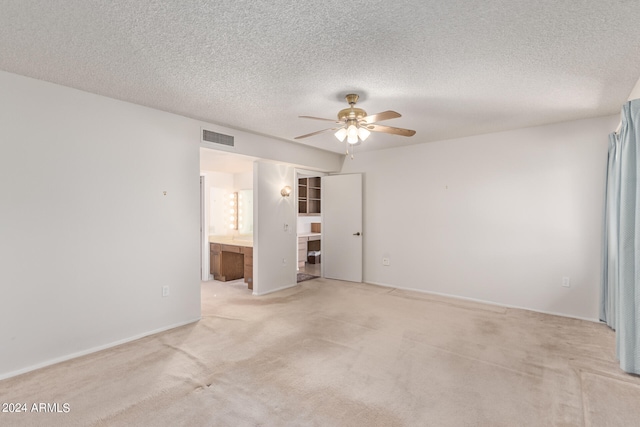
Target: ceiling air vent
217	138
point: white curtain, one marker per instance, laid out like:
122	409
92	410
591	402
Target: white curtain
610	241
620	304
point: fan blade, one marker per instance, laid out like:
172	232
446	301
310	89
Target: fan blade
319	118
390	129
385	115
315	133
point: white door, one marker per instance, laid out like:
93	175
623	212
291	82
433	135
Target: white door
342	227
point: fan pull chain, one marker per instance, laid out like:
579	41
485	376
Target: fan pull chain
353	149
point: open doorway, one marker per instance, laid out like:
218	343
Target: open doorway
309	224
226	235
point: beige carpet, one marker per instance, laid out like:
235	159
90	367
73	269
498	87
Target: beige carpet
329	353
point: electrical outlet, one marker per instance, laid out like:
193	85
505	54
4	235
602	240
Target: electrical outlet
386	261
165	291
286	228
566	282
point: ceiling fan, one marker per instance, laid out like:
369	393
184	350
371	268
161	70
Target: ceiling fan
356	125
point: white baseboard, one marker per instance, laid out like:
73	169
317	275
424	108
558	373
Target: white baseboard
422	291
92	350
282	288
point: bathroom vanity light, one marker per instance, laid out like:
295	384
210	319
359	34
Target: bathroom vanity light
233	211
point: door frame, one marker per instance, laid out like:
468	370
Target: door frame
204	226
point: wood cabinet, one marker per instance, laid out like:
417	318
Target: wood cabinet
302	251
309	195
248	266
214	259
231	262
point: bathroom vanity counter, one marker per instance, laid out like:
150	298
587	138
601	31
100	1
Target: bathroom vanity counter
231	259
244	241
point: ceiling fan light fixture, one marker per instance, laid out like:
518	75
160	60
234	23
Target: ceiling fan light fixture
355	125
341	134
363	133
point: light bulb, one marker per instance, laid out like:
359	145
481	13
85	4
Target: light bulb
231	226
341	134
232	211
231	203
231	196
363	133
352	134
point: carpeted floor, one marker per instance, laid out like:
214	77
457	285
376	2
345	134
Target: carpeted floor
329	353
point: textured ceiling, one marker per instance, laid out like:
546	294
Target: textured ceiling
451	67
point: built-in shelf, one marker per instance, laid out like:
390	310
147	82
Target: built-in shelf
309	195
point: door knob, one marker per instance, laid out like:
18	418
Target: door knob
356	234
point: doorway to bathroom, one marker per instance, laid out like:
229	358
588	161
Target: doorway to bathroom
226	224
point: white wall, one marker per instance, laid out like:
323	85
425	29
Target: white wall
243	181
498	218
218	185
275	249
304	223
88	238
266	148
